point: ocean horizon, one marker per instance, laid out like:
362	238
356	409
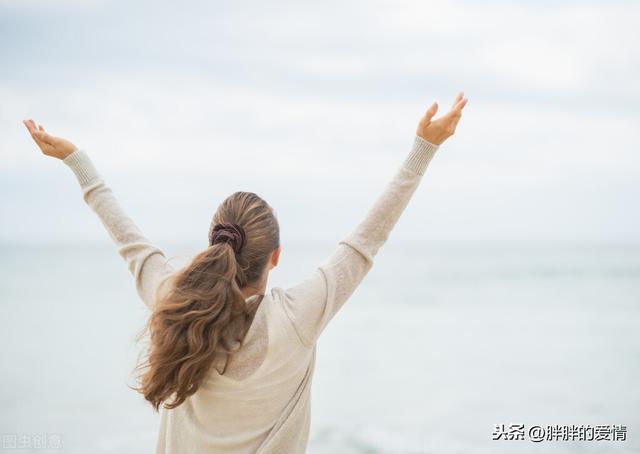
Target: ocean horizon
440	343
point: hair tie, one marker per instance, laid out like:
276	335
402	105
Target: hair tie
227	232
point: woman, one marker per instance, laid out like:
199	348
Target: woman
229	364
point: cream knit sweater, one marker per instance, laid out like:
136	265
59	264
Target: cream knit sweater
262	402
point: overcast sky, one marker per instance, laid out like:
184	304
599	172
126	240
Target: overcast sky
313	105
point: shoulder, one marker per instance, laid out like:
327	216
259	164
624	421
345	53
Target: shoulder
277	303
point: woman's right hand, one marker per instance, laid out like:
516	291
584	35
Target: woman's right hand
439	130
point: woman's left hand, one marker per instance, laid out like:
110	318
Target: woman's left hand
56	147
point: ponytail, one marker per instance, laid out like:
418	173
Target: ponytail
201	315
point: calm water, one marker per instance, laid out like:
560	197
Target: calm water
438	344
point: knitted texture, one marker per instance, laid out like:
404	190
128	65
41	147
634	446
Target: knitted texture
262	402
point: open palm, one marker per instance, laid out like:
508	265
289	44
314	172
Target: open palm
56	147
437	131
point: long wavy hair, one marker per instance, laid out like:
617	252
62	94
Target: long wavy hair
200	311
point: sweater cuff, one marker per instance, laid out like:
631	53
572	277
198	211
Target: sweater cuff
82	166
420	155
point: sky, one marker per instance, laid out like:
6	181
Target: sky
313	105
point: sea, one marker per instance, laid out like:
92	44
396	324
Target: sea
445	347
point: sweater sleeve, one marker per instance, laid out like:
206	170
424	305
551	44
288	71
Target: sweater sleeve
146	262
312	303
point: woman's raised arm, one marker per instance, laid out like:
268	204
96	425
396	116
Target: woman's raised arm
146	262
311	304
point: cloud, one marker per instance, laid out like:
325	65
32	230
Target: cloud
325	97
